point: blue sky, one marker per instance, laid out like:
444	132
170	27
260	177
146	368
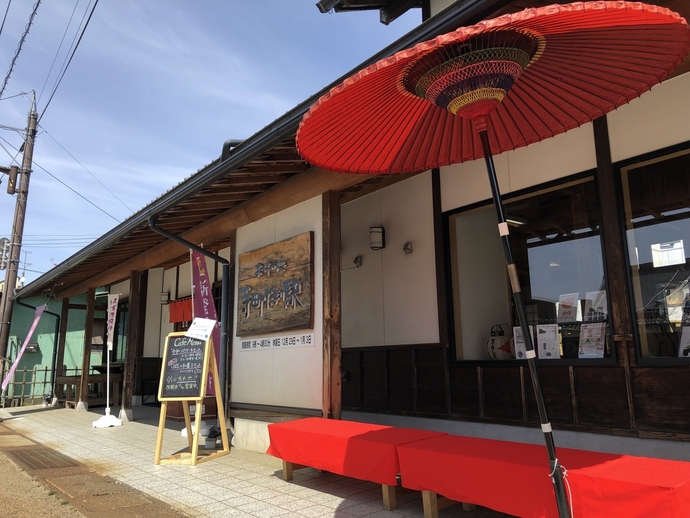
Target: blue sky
153	91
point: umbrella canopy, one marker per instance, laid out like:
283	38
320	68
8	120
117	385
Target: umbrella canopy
533	75
493	87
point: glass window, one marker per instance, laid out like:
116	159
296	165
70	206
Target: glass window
556	245
657	217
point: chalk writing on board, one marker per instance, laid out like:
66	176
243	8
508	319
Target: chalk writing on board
183	368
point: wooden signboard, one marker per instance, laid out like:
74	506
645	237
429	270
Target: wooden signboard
184	375
275	287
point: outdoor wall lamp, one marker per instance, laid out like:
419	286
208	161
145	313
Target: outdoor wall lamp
407	247
326	5
377	238
165	297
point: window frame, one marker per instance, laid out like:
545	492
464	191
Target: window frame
618	168
542	188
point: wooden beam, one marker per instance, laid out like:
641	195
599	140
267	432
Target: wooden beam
83	405
331	403
297	189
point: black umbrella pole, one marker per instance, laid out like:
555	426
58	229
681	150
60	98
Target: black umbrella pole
554	466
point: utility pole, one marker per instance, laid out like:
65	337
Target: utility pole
17	230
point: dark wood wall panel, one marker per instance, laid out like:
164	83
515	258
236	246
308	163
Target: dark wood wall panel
431	381
401	377
502	391
418	380
351	366
464	391
555	385
374	380
602	398
661	398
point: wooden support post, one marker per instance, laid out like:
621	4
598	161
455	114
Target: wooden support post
135	340
430	502
389	502
331	401
83	404
287	470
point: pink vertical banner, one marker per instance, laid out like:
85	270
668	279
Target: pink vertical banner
37	317
203	305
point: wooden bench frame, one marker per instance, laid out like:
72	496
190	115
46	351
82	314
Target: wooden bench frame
388	491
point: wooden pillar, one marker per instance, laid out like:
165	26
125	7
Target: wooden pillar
135	339
60	355
83	405
614	257
331	405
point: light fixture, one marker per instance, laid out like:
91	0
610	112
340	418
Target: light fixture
377	238
326	5
358	261
407	247
165	297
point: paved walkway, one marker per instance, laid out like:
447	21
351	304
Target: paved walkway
111	471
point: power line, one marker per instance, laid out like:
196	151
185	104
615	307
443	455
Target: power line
77	193
57	52
68	62
85	169
19	48
63	183
4	19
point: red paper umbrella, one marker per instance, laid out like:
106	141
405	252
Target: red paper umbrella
493	87
536	73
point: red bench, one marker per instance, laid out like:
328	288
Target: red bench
358	450
513	478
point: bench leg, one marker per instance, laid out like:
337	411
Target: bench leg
430	504
287	470
389	502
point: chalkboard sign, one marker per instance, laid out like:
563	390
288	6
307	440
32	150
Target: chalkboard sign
184	369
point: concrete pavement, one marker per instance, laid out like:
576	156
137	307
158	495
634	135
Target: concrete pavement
112	470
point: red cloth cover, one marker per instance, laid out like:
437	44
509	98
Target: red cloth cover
513	478
357	450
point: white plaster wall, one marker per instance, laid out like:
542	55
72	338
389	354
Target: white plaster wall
561	156
285	377
391	299
154	308
656	120
121	288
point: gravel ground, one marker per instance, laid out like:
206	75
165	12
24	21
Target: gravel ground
22	496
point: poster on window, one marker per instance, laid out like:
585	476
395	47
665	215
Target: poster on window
520	349
596	308
275	285
592	339
547	342
684	347
568	304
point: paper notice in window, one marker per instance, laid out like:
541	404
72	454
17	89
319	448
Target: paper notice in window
592	338
596	309
547	342
568	305
520	349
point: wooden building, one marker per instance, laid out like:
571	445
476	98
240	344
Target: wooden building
397	333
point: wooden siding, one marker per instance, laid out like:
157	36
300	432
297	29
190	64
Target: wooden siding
418	380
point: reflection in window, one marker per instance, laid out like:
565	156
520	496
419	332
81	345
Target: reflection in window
657	214
556	246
